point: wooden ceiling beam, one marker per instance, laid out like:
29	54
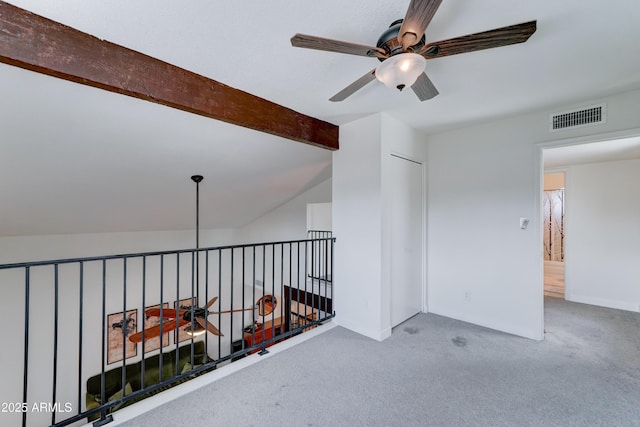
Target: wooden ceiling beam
39	44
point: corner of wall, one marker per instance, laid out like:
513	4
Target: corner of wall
357	327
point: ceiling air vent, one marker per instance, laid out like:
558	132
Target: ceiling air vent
593	115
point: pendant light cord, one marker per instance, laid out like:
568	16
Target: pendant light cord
197	179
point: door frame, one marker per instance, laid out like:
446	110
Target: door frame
567	173
539	174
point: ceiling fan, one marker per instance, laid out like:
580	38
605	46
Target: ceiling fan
182	317
403	52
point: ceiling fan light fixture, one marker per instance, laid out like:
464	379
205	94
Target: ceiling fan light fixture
401	70
196	331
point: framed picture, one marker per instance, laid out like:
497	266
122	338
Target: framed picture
150	321
119	326
184	304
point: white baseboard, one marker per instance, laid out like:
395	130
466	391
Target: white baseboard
385	333
602	302
491	325
355	326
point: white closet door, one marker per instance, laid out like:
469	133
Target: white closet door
406	239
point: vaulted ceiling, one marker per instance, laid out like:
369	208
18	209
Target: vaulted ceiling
79	159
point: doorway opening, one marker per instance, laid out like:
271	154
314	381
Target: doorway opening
588	224
553	211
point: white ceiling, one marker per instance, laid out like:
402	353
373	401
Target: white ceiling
78	159
595	152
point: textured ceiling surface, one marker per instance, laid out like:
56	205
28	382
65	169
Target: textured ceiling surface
78	159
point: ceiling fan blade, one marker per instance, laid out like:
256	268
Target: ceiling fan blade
209	326
153	331
319	43
166	312
424	88
232	311
354	87
212	301
418	17
504	36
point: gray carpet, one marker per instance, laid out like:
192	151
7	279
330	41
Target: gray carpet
435	371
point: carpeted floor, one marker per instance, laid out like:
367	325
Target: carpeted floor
435	371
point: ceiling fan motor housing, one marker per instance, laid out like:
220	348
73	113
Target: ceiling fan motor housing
390	43
197	312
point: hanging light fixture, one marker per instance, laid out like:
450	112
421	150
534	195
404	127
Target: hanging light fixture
195	329
401	70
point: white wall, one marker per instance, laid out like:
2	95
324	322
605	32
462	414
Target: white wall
47	247
603	234
361	219
287	222
319	216
482	267
357	221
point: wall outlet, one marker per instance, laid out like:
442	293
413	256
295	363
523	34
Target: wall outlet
524	223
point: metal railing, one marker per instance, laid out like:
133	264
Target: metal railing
85	320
